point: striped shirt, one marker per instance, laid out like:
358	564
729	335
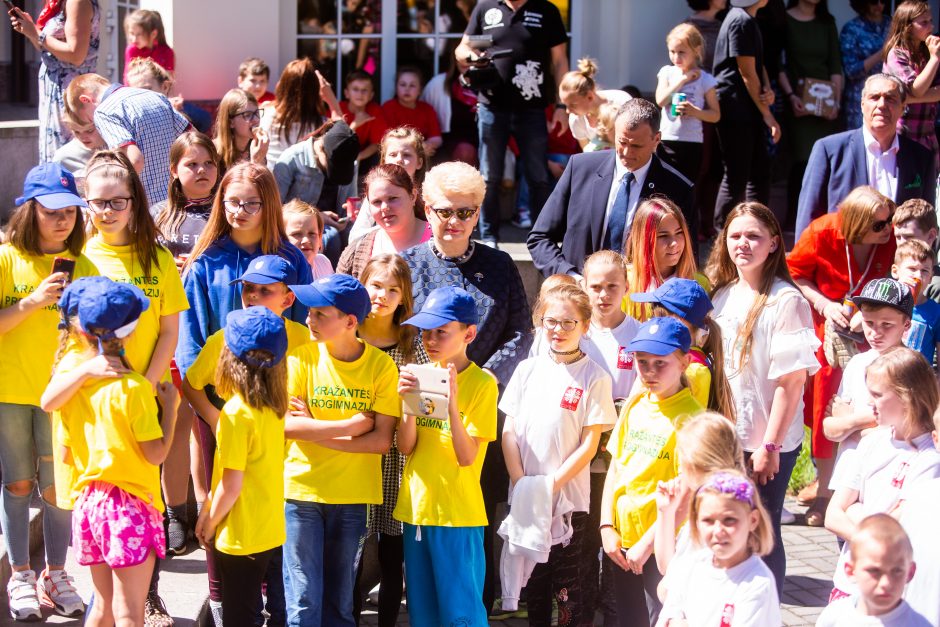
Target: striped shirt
127	115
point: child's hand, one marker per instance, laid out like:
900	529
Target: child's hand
452	388
258	149
407	382
768	97
297	407
104	367
636	558
168	396
688	109
177	102
855	324
933	45
205	532
839	407
691	76
610	539
50	290
361	423
667	496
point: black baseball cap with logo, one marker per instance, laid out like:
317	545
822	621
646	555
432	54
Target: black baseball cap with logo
887	293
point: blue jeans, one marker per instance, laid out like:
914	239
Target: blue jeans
530	129
772	495
324	544
26	455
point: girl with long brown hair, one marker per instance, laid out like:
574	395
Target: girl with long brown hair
769	352
238	134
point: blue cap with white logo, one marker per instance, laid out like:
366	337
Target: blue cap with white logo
52	186
72	296
256	328
445	304
683	297
661	336
337	290
268	269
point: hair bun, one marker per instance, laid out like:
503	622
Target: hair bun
587	67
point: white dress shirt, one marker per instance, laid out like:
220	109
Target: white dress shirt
639	178
882	166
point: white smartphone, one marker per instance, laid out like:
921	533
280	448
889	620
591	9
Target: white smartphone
432	396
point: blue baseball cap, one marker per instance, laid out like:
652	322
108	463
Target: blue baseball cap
683	297
72	296
268	269
337	290
661	336
52	186
256	328
114	307
445	304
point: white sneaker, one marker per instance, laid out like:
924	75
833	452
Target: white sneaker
787	517
55	590
21	593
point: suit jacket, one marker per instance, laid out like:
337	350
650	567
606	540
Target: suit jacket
838	164
571	224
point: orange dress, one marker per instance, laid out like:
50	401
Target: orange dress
822	256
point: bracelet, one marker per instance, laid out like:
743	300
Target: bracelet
605	526
41	40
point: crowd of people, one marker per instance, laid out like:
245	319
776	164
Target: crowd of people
171	318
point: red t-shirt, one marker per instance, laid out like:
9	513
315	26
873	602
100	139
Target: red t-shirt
266	97
422	117
161	55
372	131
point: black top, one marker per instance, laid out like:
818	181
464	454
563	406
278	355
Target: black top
184	239
739	37
531	33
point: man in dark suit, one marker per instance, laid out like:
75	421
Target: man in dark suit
875	155
594	201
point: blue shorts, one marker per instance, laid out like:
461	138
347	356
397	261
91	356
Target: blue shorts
444	569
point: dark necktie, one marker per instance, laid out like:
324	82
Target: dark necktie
617	221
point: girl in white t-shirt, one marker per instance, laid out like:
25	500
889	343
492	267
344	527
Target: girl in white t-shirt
579	93
891	461
681	123
706	444
556	405
769	352
725	582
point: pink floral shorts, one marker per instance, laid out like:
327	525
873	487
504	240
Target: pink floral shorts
116	528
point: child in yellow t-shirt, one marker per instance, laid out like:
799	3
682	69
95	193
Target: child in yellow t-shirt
440	502
243	522
117	522
643	453
46	226
344	406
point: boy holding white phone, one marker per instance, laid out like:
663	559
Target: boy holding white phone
440	501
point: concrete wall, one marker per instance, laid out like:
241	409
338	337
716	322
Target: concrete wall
19	143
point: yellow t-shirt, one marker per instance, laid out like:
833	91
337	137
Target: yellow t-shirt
69	417
252	441
123	413
163	286
700	381
336	390
202	372
643	446
435	490
27	351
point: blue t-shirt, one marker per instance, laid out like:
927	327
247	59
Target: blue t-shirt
925	329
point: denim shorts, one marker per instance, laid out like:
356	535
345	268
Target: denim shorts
25	437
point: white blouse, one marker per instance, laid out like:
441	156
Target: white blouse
783	342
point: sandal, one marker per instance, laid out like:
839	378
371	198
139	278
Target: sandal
807	494
816	515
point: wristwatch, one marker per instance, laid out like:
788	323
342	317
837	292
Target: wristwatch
770	447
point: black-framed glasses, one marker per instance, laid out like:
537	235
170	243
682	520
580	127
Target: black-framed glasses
250	207
463	214
257	114
99	205
881	225
550	324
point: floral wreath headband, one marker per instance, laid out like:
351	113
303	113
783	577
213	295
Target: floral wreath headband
733	485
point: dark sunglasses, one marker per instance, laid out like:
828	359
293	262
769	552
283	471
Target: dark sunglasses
463	214
881	225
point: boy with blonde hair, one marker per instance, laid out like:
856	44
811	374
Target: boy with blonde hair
140	123
881	563
914	266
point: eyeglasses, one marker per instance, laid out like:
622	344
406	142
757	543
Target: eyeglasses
98	205
463	214
550	324
257	114
251	207
881	225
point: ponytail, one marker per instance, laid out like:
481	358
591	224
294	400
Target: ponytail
719	394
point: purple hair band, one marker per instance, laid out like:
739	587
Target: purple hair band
733	485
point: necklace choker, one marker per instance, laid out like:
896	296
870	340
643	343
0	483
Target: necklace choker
458	259
564	353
